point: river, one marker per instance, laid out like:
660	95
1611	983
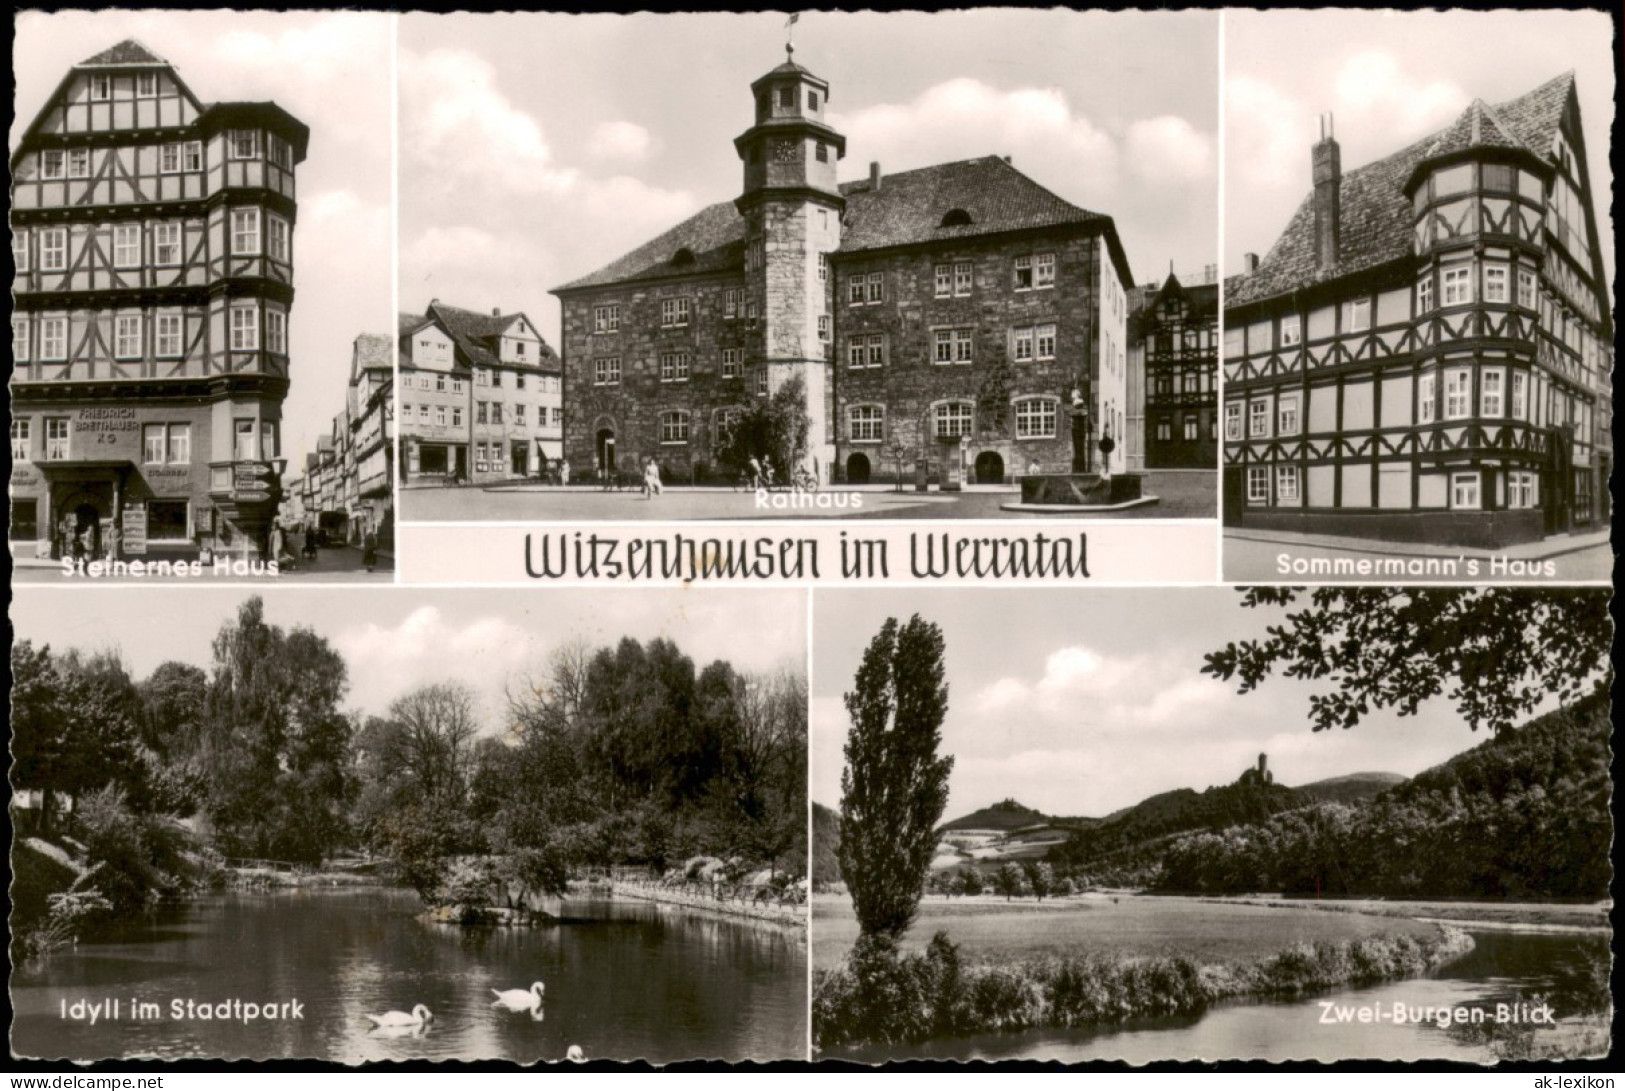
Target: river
1501	967
624	980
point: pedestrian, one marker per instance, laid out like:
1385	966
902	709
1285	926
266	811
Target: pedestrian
755	468
369	549
767	472
113	542
564	472
311	544
651	478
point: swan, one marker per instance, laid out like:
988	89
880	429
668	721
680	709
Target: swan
575	1054
519	999
416	1017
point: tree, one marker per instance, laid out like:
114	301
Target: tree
1040	877
778	428
894	787
1498	652
971	880
434	749
1007	880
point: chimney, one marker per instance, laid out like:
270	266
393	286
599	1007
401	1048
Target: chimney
1249	263
496	312
1210	273
874	177
1263	764
1327	165
1007	161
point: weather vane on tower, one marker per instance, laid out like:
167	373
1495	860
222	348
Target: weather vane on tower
789	34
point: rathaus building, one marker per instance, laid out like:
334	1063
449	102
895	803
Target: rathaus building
959	316
1426	352
152	235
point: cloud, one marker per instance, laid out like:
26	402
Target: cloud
1168	150
387	661
455	120
622	141
1268	138
1372	87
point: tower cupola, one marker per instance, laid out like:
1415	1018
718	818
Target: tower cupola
791	149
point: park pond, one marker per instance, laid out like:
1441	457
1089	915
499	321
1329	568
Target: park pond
624	981
1504	967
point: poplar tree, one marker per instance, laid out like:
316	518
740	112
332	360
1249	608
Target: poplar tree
894	787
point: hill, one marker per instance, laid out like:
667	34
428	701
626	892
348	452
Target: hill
1353	788
1003	816
826	842
1522	816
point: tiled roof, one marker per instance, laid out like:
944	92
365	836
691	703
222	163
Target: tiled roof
126	52
1375	224
406	323
477	333
907	209
374	350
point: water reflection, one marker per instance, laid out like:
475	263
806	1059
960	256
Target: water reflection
623	980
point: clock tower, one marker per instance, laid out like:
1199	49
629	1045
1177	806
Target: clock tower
792	208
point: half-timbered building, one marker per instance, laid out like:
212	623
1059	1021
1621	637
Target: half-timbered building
152	235
1426	352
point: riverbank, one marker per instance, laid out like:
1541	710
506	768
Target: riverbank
1582	917
883	997
790	916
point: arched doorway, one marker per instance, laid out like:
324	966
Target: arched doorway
989	468
857	468
605	447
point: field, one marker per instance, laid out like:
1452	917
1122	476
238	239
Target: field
990	929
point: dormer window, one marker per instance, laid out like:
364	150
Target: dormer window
684	256
101	88
146	85
957	217
244	143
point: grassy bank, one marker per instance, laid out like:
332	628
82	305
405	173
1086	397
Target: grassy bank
882	994
1537	916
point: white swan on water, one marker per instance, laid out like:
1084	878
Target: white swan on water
416	1017
575	1054
519	999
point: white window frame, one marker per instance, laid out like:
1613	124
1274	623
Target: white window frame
169	335
53	165
944	280
606	318
1497	288
951	420
276	331
168	235
1286	481
1234	418
1021	274
1526	289
22	439
1466	491
763	387
1424	293
245	328
606	371
127	331
101	87
1356	315
1043	272
53	249
19	249
126	246
53	339
58	439
1036	418
731	298
866	423
1427	405
1519	405
674	312
146	85
243	144
674	427
674	367
1193	428
1458	393
953	346
178	445
19	338
1491	392
1291	330
1288	418
1258	418
733	363
245	230
1258	484
192	156
964	278
875	288
1456	285
823	327
154	444
79	165
278	238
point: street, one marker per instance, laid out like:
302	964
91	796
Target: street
1182	494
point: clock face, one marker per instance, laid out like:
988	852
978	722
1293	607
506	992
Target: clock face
786	151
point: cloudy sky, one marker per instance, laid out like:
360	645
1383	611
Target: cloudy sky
331	71
536	148
393	641
1082	702
1388	78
